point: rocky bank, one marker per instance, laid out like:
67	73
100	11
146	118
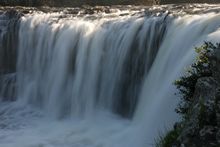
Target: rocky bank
200	127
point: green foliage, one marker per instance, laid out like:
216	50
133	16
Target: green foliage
186	86
201	68
169	139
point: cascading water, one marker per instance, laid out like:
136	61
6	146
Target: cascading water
102	80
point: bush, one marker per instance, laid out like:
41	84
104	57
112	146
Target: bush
170	138
186	86
201	68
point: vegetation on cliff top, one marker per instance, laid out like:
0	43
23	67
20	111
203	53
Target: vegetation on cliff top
193	110
186	84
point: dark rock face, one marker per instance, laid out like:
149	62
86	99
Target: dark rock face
202	127
205	89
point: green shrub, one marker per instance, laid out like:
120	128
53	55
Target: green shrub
170	138
186	84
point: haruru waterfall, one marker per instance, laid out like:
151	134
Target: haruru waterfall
96	80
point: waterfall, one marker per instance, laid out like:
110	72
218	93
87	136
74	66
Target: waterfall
75	67
102	80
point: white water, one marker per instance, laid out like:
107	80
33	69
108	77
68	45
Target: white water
72	73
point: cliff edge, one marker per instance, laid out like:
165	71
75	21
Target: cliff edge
200	106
